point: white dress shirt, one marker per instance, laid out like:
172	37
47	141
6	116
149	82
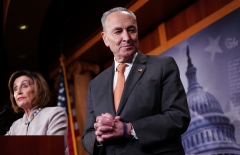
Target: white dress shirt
126	72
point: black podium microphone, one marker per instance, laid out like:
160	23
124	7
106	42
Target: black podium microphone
5	108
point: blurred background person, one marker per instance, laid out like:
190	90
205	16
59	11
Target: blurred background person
29	92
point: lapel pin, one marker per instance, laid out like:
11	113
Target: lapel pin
140	69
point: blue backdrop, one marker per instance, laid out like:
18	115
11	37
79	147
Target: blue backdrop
212	84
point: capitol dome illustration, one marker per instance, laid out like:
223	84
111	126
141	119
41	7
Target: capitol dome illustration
210	132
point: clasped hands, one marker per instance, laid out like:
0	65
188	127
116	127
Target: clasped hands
107	127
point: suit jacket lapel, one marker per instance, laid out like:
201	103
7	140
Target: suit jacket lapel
108	92
137	70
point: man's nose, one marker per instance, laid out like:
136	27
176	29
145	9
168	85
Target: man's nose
125	36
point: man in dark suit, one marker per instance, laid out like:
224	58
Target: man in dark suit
152	112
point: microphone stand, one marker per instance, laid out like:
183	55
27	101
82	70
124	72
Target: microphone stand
5	108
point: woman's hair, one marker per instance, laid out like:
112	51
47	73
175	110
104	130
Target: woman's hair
42	93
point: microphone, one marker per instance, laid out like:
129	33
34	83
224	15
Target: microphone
5	108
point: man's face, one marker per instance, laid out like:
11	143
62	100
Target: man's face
121	35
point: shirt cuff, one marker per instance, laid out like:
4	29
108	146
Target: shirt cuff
133	133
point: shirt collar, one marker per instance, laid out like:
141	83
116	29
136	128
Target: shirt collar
129	64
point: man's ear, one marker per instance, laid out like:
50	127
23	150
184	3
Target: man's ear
104	37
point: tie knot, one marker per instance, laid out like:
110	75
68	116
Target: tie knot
121	67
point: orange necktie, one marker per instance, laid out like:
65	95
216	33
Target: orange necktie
120	85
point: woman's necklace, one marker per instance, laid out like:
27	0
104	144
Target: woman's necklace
27	122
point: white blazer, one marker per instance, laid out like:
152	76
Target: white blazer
49	121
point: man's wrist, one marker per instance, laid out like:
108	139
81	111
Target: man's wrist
98	144
129	128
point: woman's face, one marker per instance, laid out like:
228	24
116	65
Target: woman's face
24	94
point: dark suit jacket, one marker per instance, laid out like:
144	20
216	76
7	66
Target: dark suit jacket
153	101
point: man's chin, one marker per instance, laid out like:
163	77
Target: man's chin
128	58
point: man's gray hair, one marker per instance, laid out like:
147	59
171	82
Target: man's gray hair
105	14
